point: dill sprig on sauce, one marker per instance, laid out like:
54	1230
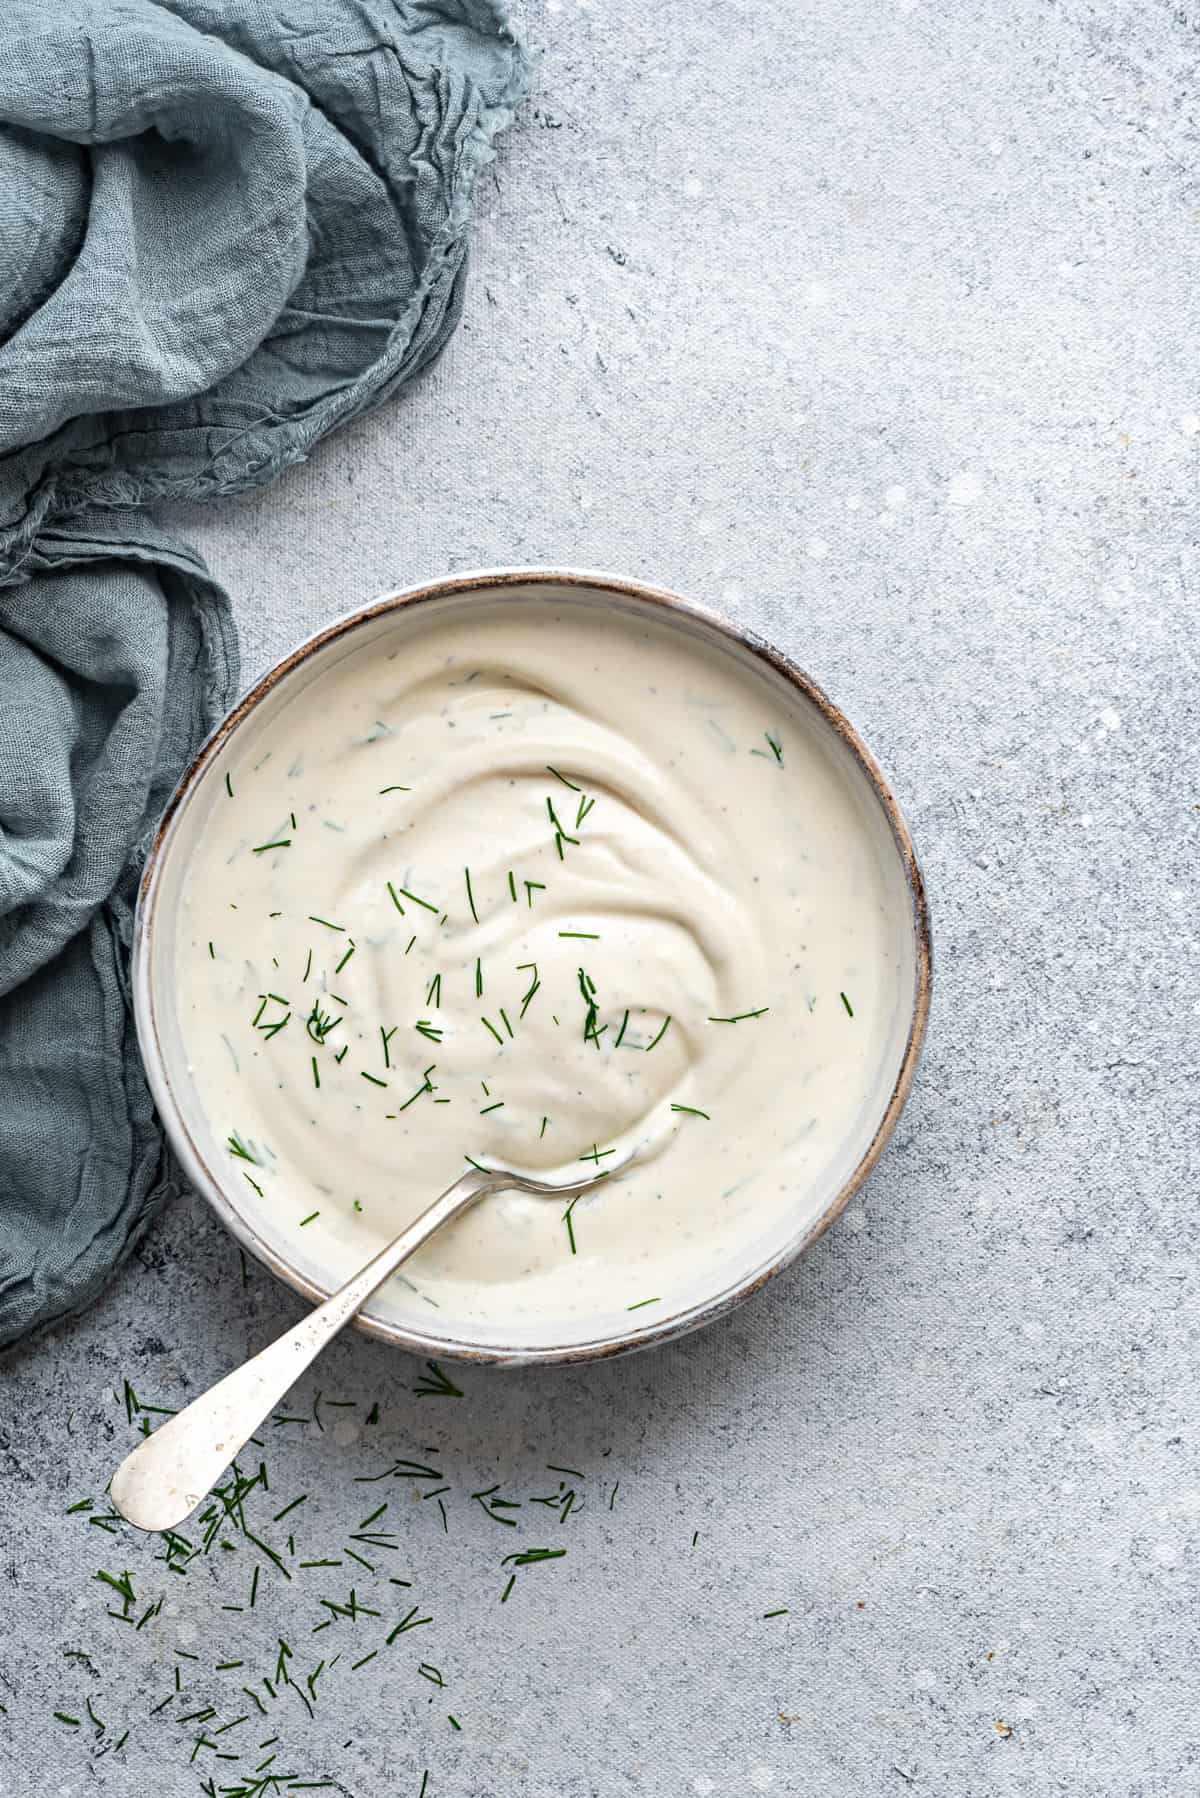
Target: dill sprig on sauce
739	1016
563	778
691	1111
426	1086
561	836
279	843
847	1004
424	1027
313	919
416	899
534	984
776	748
320	1023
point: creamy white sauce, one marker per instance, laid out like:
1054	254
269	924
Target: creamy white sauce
705	854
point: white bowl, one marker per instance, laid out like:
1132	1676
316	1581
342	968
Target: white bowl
200	1148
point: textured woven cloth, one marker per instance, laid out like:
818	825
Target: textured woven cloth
226	227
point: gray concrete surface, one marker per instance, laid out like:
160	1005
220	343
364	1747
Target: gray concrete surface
876	326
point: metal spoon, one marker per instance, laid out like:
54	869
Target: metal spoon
169	1473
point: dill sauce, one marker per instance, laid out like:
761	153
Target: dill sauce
507	884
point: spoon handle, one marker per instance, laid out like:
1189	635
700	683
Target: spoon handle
169	1473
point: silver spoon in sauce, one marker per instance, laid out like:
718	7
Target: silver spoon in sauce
171	1471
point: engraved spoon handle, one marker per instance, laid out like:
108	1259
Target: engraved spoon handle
169	1473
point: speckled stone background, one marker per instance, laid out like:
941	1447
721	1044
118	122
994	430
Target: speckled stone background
878	327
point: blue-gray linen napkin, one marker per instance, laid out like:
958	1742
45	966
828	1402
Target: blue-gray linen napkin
226	227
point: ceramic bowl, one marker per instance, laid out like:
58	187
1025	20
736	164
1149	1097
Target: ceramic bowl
201	1151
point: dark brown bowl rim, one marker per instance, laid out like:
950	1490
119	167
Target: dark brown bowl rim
647	1334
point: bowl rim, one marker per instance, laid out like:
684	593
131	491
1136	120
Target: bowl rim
202	1177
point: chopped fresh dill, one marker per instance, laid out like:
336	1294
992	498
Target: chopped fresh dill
316	1072
212	954
532	887
308	965
313	919
386	1036
642	1302
470	895
587	936
373	1078
435	1384
847	1004
512	886
597	1154
781	1612
434	995
319	1023
254	1183
504	1020
563	778
569	1224
623	1029
542	1131
487	1023
416	901
738	1016
395	901
561	836
279	843
229	786
585	806
496	1105
692	1112
345	958
237	1147
412	939
478	978
426	1086
424	1027
662	1032
383	790
534	984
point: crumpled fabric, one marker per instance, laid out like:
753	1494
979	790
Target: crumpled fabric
226	227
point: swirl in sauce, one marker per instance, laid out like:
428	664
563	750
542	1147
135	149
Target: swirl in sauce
557	882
